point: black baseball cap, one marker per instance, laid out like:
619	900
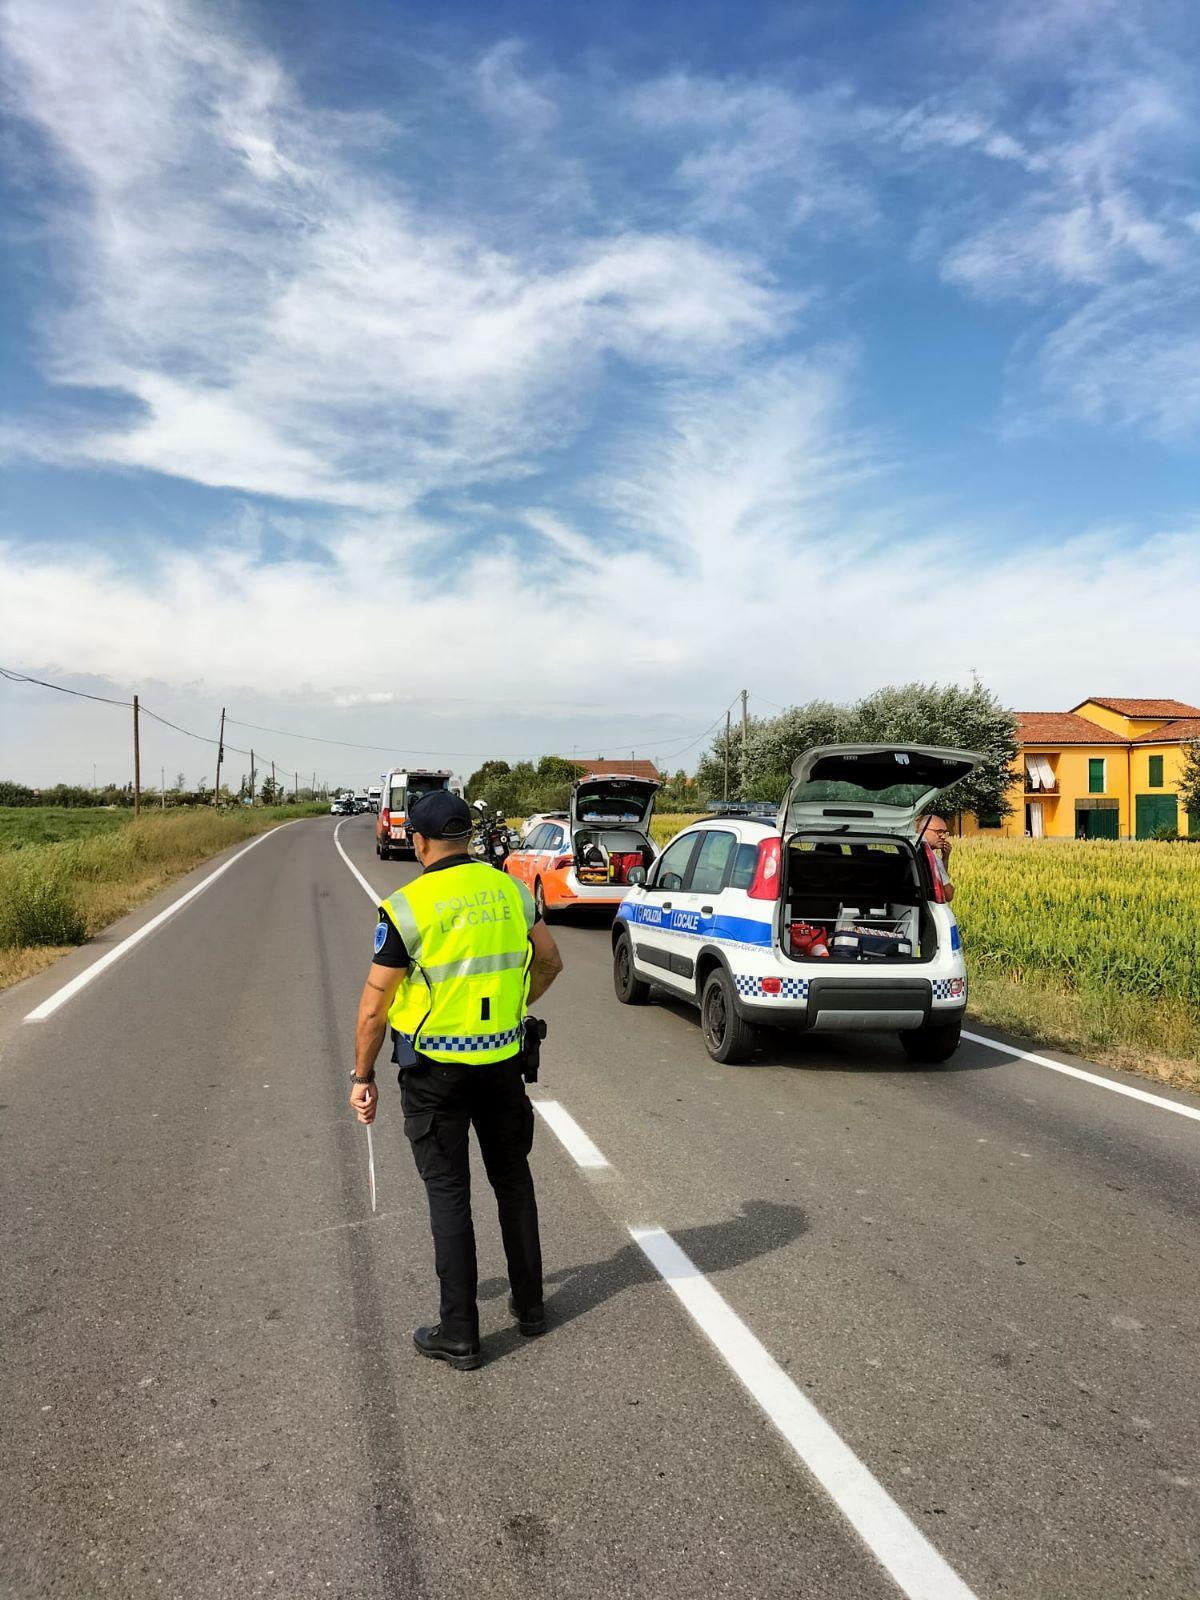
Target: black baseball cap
440	815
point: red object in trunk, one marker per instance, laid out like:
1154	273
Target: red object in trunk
621	863
805	940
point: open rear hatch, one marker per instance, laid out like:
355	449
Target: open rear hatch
855	886
883	788
610	827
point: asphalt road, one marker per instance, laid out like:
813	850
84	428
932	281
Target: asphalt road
984	1277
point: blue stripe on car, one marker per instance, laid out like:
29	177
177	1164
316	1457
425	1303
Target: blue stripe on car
743	930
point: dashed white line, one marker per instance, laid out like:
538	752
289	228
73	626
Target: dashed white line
1127	1089
89	974
570	1135
896	1542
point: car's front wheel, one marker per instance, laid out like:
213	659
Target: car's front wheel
936	1041
727	1035
630	989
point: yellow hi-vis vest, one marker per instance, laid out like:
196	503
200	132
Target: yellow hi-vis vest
466	930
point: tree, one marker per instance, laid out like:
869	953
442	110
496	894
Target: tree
483	782
1189	786
968	719
270	792
912	713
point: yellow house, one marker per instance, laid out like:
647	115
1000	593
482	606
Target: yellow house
1107	769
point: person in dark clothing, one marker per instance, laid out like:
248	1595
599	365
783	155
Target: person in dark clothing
458	954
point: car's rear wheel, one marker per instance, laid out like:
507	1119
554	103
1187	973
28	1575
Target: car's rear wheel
539	900
630	989
727	1035
936	1041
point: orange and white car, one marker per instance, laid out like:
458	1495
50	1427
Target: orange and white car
585	859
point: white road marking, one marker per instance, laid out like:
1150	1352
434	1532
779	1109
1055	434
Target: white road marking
570	1135
1088	1077
82	979
896	1543
375	899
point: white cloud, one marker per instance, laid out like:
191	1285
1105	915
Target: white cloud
512	95
741	547
1130	358
742	146
287	319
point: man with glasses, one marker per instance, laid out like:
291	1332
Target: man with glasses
934	834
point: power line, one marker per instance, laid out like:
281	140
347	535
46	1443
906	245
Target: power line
106	700
102	699
674	747
475	755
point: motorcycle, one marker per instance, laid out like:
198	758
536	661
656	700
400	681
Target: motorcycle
492	839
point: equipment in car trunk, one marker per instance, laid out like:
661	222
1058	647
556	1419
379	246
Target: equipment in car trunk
806	940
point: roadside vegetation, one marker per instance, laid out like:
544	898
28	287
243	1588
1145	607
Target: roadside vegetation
58	893
26	825
1087	944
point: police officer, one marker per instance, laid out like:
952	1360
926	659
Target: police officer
458	954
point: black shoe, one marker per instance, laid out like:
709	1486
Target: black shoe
460	1353
531	1322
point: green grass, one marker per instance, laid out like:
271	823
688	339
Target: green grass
26	825
54	895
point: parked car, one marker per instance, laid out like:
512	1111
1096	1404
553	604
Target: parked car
586	857
538	818
343	806
830	918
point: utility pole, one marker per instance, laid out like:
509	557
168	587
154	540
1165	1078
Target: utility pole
274	797
251	774
220	758
295	787
727	738
137	763
162	788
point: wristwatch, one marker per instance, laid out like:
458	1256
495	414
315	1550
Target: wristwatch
354	1077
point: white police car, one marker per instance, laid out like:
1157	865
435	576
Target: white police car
828	918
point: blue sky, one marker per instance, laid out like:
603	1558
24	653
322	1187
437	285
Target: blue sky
521	377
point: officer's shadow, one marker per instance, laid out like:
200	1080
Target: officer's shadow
760	1227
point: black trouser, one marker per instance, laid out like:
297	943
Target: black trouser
441	1102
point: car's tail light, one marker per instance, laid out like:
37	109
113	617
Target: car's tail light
559	863
772	985
385	817
766	872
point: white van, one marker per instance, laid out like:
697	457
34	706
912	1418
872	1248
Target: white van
830	918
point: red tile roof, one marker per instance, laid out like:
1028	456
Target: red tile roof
1172	733
1143	708
1061	727
619	769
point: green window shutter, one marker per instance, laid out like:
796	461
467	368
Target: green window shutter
1096	775
1156	772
